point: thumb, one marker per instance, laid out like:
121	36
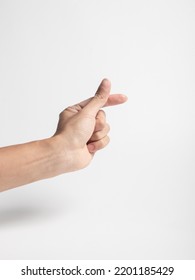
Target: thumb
100	98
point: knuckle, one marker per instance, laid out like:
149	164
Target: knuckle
108	127
101	119
104	141
101	123
101	114
107	139
61	114
74	108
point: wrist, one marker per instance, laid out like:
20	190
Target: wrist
61	155
66	157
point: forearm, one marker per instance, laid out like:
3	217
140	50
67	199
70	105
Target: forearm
26	163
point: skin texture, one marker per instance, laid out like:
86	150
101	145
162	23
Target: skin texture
82	131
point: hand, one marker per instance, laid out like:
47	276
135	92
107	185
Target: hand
82	129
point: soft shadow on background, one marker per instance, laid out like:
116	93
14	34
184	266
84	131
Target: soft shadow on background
19	214
136	199
19	207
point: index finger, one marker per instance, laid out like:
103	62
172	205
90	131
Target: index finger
113	99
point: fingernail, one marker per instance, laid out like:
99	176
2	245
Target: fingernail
125	96
91	148
105	81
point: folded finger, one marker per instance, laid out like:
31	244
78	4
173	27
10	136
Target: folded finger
100	133
98	145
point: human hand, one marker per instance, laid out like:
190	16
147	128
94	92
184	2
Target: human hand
82	129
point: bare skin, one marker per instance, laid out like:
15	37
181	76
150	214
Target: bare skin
82	131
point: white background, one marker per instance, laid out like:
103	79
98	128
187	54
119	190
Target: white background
136	199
